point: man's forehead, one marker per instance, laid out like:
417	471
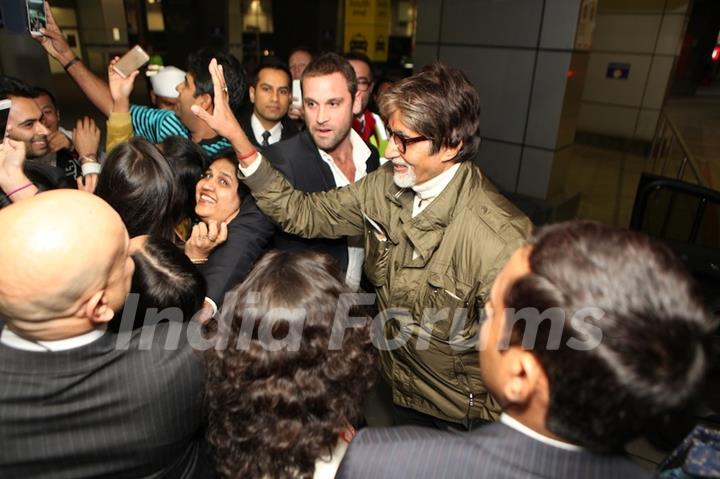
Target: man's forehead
334	81
361	68
273	76
44	101
24	109
299	57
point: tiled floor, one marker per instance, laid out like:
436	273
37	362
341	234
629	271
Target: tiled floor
607	180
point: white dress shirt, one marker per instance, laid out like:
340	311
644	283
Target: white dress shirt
360	154
513	423
258	130
12	340
356	254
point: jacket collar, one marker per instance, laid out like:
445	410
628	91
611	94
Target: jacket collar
426	230
441	211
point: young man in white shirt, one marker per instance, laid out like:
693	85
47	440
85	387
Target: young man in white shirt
327	155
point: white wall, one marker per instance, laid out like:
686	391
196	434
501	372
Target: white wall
647	35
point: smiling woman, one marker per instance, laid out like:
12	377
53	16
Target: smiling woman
217	194
231	233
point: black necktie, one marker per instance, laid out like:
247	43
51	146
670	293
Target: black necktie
266	138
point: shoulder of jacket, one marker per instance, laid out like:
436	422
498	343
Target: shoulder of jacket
492	211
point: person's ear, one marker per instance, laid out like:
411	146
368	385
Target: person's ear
357	103
449	154
96	308
524	376
204	101
251	91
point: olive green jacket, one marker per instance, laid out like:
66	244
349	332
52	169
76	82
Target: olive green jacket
432	303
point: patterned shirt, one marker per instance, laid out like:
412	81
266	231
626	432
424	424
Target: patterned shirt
155	125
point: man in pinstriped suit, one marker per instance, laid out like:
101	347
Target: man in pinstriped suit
75	402
635	346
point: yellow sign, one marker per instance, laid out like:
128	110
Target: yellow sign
367	27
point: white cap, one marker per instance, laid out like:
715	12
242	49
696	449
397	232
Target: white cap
165	81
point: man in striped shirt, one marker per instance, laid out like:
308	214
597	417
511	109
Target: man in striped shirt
150	123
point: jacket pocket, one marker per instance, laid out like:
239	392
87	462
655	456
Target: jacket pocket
377	252
444	310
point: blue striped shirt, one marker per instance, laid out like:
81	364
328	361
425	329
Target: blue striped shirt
155	125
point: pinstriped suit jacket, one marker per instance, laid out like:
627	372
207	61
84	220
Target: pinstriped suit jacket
492	451
100	411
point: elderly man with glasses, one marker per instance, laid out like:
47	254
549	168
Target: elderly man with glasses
436	233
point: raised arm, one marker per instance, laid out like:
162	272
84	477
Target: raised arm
330	214
54	42
119	124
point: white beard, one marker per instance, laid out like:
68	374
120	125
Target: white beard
407	179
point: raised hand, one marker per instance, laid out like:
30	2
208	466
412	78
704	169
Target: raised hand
205	238
222	119
120	88
57	141
86	137
53	40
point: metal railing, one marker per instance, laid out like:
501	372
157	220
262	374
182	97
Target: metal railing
668	148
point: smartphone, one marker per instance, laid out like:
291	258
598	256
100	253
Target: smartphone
36	16
131	61
297	94
5	106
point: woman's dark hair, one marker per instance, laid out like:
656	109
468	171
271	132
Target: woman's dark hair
277	405
633	343
165	278
189	162
138	182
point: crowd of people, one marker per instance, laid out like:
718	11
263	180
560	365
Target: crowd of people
217	290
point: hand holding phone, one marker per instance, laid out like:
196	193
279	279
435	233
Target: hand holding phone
296	94
131	61
5	106
36	16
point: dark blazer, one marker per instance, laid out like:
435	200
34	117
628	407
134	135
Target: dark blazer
249	234
299	160
288	128
106	409
492	451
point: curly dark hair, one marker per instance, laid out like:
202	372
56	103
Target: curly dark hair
273	411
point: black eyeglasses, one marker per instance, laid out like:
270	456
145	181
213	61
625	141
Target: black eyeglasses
402	141
363	83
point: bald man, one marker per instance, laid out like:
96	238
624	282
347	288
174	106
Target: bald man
74	404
